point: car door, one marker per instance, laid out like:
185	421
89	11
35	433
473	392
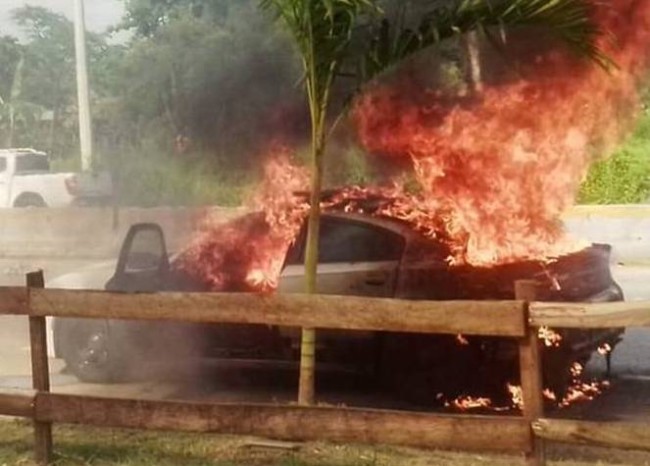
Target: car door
143	265
355	258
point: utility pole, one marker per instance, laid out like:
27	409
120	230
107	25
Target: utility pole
83	97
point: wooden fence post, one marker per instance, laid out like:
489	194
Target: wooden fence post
40	373
530	366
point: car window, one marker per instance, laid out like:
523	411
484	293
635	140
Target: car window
349	241
32	163
295	253
3	164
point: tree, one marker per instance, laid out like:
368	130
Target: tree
146	17
10	72
356	36
214	77
44	88
49	58
10	54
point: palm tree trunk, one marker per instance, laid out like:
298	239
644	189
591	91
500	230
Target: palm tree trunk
306	390
318	103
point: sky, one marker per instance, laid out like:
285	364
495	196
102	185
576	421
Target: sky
100	14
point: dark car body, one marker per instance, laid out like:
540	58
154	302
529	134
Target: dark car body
360	255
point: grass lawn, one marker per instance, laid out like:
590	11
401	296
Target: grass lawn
76	446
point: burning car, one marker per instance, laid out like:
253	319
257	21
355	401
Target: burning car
361	254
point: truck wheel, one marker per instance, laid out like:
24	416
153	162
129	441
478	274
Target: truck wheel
29	200
92	350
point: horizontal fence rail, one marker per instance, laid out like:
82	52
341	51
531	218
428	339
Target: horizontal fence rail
626	435
14	300
508	434
487	318
585	316
17	403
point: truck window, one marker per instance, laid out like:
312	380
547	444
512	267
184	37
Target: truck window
3	164
32	163
349	241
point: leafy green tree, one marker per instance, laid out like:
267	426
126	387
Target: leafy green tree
10	54
10	71
355	36
214	78
46	79
49	77
146	17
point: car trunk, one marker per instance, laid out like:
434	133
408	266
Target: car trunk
576	277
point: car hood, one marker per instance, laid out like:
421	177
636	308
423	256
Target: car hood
92	277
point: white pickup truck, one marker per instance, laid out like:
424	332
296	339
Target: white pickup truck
26	181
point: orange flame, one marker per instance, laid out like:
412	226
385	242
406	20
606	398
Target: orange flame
605	349
465	403
550	337
248	253
460	338
501	168
284	215
517	396
583	391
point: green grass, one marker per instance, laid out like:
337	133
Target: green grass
83	446
148	177
170	182
623	178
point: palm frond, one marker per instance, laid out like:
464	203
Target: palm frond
569	20
322	31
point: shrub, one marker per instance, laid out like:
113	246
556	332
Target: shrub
623	178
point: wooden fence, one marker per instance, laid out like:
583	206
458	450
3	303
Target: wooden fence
519	319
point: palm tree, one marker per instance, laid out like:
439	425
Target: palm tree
329	34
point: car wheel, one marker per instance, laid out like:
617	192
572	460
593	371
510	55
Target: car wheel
29	200
92	351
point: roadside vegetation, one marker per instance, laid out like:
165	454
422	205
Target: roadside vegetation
187	96
84	446
624	178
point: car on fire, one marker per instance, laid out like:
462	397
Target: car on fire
361	255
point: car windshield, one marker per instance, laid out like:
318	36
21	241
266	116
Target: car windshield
32	163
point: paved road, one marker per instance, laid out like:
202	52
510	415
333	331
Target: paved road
14	341
630	360
15	363
632	356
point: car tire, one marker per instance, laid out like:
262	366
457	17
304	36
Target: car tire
29	200
95	351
